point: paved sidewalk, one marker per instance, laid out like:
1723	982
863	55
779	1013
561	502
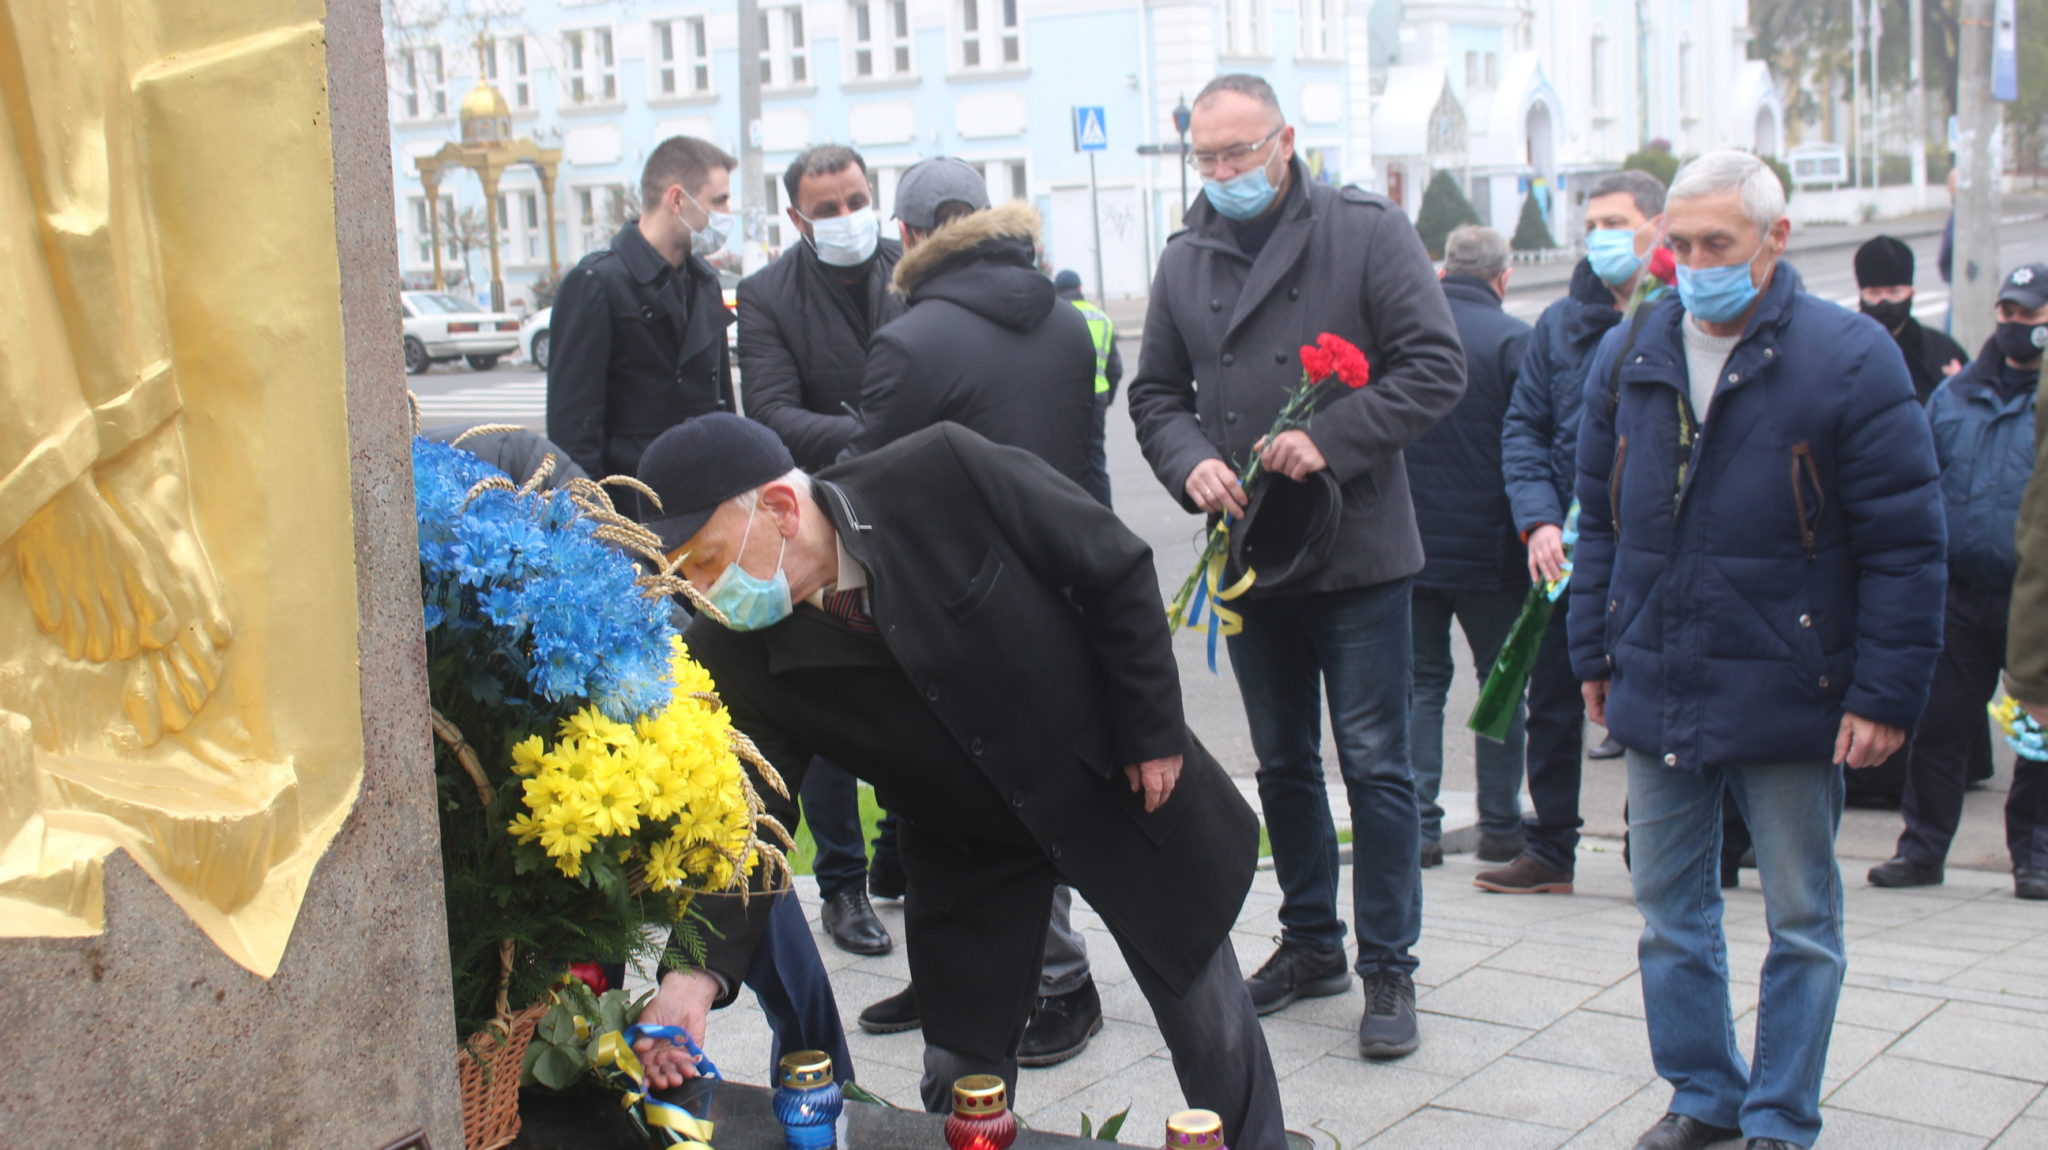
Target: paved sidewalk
1532	1032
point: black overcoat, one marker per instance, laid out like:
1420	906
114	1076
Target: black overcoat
1026	619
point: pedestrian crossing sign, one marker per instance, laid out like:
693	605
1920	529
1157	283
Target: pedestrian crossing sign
1089	133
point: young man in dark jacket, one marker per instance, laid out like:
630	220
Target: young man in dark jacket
1473	570
639	326
1270	260
1983	421
805	321
987	344
1539	458
1756	602
1884	289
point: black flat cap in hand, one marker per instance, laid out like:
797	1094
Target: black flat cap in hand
695	466
1288	529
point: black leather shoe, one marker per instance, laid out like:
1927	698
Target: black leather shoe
1388	1028
2030	882
1683	1132
893	1015
1061	1026
853	923
1773	1144
1903	871
1500	848
1431	854
1297	972
1607	748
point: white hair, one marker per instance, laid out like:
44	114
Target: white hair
1762	196
746	501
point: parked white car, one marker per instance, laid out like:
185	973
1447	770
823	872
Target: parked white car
533	337
441	326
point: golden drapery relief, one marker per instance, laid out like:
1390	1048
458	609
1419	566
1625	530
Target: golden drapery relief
178	673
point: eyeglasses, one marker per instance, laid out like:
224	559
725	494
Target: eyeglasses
1236	159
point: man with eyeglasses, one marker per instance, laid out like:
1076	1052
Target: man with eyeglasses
1267	262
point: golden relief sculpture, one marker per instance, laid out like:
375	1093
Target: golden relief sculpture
177	589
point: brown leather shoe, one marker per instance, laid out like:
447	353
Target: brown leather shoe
1525	875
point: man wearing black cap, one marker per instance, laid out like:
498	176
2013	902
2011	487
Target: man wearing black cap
1983	420
1884	287
985	643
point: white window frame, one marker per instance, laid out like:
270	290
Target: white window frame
685	71
1596	97
590	67
1012	182
890	48
1686	78
509	67
1322	29
588	230
519	234
988	35
419	248
1247	29
422	83
785	48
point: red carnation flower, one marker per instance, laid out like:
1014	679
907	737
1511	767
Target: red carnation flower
1663	265
1347	360
592	975
1315	362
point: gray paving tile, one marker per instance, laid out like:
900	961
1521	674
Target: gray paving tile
1590	964
1148	1087
1548	1093
1443	959
1942	1097
1626	997
1619	1128
1850	1048
1506	997
2020	984
1989	1040
1613	1043
1293	1044
1431	1128
1452	1045
2023	1134
1353	1100
1118	1046
1854	1131
1883	1009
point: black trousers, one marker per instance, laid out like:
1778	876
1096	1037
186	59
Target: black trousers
1953	731
1556	741
831	808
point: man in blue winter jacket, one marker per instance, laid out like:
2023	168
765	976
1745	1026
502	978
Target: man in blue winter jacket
1983	421
1756	604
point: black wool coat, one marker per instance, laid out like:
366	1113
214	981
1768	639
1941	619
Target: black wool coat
639	346
1022	661
803	347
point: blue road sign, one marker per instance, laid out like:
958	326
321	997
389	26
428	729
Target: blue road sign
1089	133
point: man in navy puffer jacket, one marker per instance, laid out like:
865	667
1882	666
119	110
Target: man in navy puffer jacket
1756	603
1983	420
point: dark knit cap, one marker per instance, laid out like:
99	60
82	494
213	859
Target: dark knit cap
1884	262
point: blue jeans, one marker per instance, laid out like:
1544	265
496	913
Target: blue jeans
1355	647
831	807
1487	617
1793	811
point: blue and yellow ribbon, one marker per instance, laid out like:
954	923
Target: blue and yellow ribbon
2021	732
679	1127
1210	592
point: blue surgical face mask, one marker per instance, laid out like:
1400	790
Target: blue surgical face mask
846	241
1243	196
709	239
749	602
1613	254
1718	295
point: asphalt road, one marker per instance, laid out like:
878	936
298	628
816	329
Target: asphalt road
516	393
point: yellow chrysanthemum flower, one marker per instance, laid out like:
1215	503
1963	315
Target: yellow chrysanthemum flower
528	755
665	865
568	831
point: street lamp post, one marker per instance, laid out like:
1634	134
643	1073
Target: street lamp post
1181	116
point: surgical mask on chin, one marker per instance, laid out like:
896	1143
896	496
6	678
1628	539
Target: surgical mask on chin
1718	295
2021	341
1613	254
1245	195
749	602
846	241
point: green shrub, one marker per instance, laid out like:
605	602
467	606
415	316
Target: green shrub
1531	233
1444	209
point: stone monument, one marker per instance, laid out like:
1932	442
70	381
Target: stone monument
221	920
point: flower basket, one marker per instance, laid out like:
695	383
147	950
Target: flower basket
588	780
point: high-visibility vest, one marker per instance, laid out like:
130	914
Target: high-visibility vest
1100	331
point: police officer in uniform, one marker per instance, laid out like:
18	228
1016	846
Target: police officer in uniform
639	326
1109	371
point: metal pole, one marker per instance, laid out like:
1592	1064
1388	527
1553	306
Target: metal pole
1183	173
1856	88
1095	214
751	184
1975	286
1876	150
1917	103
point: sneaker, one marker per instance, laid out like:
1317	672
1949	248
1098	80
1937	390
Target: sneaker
1495	848
1294	972
2030	883
1432	854
1525	875
894	1014
1388	1028
1607	748
1060	1026
1903	871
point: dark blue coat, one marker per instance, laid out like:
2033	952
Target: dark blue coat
1539	441
1984	444
1469	542
1742	593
